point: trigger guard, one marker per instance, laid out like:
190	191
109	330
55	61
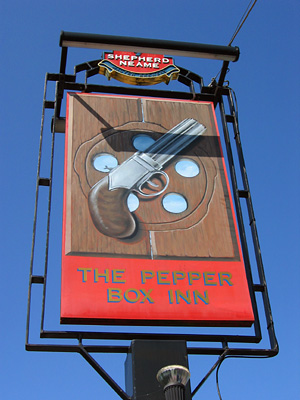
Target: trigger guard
156	193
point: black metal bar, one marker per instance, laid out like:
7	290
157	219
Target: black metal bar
121	349
58	125
150	336
243	194
59	94
272	352
35	212
104	375
220	359
49	104
44	182
48	216
259	262
191	75
239	217
230	118
63	60
61	348
259	288
223	73
87	65
137	91
56	77
107	42
37	279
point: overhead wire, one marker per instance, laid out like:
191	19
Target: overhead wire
242	21
237	29
220	363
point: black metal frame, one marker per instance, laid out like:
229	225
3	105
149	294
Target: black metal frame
217	93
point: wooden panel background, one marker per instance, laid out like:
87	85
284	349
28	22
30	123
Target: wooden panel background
107	124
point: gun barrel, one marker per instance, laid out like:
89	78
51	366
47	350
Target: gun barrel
159	145
176	140
140	167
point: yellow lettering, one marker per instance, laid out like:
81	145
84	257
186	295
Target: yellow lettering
117	275
208	279
114	295
147	275
84	273
104	275
162	278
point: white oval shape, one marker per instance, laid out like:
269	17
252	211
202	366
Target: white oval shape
187	168
132	202
104	162
174	203
141	142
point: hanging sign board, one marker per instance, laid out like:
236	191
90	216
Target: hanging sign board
149	231
138	68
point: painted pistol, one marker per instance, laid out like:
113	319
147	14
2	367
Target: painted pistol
107	199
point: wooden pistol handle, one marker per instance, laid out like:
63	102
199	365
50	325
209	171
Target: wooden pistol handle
109	211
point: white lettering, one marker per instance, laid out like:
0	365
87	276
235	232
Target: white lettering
129	60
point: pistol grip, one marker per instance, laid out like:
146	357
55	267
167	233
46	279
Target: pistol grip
109	211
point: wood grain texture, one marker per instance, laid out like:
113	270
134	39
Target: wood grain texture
89	118
208	230
107	124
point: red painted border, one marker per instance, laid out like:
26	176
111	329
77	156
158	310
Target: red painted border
153	292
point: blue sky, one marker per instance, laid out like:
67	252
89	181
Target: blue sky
266	81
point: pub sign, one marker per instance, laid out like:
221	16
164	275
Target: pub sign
149	229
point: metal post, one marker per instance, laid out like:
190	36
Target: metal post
144	359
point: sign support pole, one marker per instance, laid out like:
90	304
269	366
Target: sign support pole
151	360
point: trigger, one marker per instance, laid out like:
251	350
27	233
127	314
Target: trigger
152	184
